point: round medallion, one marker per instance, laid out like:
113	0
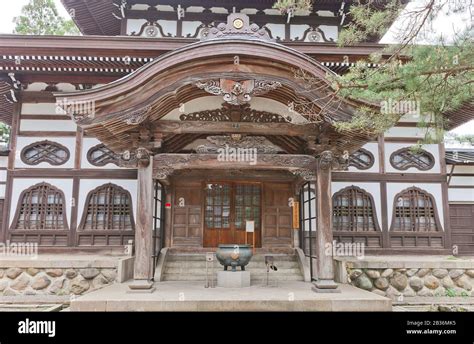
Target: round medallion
238	23
151	31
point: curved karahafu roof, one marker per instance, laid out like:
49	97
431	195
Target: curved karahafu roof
234	66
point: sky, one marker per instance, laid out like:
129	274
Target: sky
443	24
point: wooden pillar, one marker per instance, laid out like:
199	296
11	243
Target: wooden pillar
325	281
143	268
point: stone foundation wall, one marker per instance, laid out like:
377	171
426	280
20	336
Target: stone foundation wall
39	281
415	278
61	275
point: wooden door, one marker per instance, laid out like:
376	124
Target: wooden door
228	207
462	227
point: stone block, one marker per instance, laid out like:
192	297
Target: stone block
233	279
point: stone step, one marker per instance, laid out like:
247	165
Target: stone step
202	265
201	257
253	278
192	267
197	271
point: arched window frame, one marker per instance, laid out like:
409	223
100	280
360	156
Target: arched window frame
22	204
357	190
92	193
415	227
45	158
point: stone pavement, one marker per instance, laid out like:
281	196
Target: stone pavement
192	296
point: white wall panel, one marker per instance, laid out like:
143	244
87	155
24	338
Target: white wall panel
41	109
47	125
461	195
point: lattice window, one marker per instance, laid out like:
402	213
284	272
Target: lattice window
361	159
100	155
414	210
45	151
405	158
108	207
354	211
42	206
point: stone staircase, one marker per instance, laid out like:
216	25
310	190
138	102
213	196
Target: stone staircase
192	267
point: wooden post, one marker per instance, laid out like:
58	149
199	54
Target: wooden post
325	281
143	268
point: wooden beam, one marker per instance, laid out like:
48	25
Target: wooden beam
166	164
201	127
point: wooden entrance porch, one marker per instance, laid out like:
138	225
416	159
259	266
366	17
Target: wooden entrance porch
173	117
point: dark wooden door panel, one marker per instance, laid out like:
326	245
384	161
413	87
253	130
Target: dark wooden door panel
462	227
277	225
187	215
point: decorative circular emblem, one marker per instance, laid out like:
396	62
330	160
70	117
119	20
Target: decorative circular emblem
314	36
151	31
238	23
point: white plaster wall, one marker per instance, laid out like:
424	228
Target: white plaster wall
248	11
462	169
189	27
41	109
434	189
277	30
461	195
372	147
3	175
406	132
330	32
462	181
3	161
134	25
372	188
86	185
68	142
297	31
47	125
2	191
169	26
392	147
20	184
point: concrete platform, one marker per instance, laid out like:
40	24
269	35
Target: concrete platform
192	296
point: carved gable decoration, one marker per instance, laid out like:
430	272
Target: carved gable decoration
238	92
217	143
237	26
234	113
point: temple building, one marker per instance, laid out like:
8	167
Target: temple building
174	126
